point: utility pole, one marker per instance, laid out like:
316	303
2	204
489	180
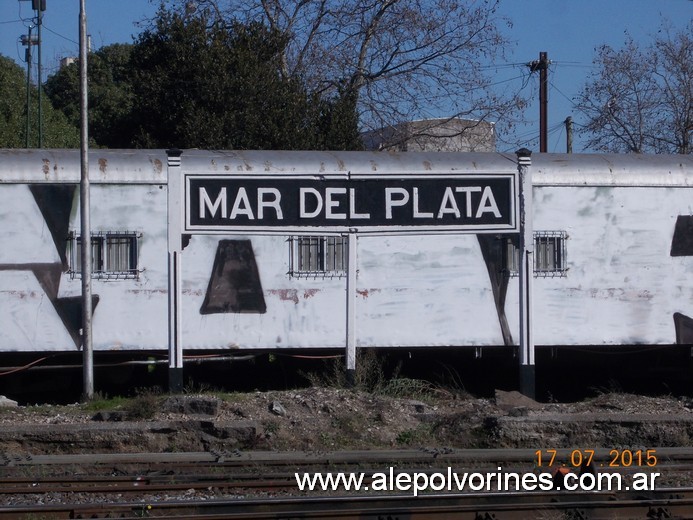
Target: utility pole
85	230
39	6
542	65
569	134
28	41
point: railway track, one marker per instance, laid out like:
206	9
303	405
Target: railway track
257	485
663	504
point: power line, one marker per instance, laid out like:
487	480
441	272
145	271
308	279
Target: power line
575	64
60	35
554	87
558	137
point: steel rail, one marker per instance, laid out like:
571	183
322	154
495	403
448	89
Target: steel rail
248	473
265	470
665	503
243	458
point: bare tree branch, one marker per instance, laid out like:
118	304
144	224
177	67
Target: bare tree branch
400	59
641	100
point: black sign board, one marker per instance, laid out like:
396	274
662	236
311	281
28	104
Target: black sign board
469	203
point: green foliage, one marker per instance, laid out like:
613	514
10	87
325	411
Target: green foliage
202	85
102	402
189	82
407	388
110	94
12	106
338	123
144	406
371	374
377	375
57	130
415	437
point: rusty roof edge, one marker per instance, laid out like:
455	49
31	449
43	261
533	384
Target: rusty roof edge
338	162
150	166
58	166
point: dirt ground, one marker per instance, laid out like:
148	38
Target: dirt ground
326	419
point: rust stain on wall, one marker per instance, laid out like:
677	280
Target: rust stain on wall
617	293
286	295
22	295
158	166
293	295
365	293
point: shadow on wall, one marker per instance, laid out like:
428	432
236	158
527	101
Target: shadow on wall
682	245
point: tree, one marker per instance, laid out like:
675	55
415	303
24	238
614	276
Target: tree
12	106
57	131
192	82
110	94
202	84
641	99
398	60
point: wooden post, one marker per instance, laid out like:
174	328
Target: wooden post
569	134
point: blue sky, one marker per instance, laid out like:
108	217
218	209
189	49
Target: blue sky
568	30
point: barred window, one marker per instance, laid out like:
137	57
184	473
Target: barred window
318	256
549	254
114	255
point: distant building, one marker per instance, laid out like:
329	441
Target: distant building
434	135
64	62
69	60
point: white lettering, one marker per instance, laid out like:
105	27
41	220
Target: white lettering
460	484
417	213
404	204
352	206
379	482
273	203
487	204
442	481
241	206
302	203
391	202
546	482
529	481
331	203
473	485
403	481
640	481
206	202
468	202
653	476
449	204
420	482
